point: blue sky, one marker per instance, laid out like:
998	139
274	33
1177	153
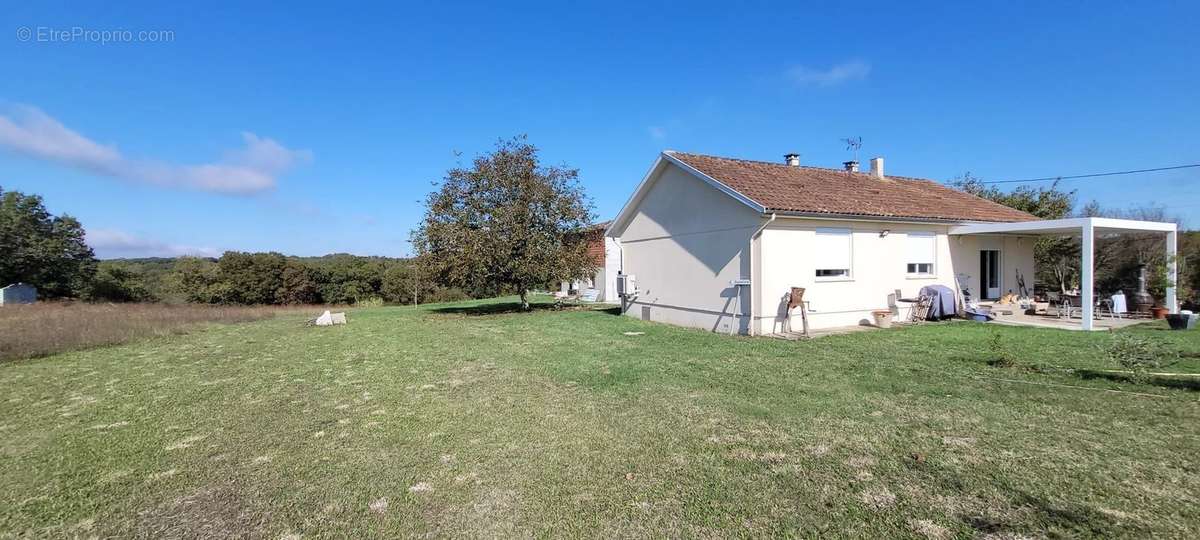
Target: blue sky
310	129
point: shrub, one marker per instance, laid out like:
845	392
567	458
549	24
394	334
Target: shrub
446	294
1000	356
1140	355
114	283
370	301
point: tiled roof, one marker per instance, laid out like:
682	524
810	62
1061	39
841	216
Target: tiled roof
814	190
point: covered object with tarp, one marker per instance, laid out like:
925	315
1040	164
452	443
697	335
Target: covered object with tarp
941	302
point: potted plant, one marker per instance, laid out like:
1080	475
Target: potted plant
1157	284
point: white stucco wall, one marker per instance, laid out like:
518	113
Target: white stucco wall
684	244
1016	260
878	268
608	274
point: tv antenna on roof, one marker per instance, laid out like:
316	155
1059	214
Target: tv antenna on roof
855	144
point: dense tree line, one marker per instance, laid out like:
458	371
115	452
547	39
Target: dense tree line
267	278
50	253
41	249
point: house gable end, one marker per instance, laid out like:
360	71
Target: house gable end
667	162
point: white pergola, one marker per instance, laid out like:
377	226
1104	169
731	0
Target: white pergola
1087	228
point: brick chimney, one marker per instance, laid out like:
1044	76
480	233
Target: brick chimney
792	159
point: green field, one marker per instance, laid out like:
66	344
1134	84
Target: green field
464	420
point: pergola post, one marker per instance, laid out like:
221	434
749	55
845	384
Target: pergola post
1172	271
1086	279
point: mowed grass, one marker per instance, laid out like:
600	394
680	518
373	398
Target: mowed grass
462	420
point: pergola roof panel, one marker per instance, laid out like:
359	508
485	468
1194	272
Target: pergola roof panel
1065	226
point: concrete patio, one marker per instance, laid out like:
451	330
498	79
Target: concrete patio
822	332
1088	229
1105	323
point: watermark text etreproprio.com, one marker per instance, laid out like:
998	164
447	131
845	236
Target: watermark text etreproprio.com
82	34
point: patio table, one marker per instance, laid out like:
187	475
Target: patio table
1075	302
1072	302
913	315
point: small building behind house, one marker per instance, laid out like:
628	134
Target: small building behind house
601	286
18	293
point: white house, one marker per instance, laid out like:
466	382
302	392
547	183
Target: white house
717	243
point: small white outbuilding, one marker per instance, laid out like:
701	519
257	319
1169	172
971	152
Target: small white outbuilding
18	293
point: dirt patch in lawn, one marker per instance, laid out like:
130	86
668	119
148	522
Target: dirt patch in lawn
214	512
878	499
928	529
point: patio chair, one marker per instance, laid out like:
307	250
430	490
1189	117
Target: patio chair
920	311
1055	300
795	300
1101	304
1067	306
913	304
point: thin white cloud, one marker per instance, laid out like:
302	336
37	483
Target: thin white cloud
255	168
837	74
657	133
113	244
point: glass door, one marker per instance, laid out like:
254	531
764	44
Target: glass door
989	274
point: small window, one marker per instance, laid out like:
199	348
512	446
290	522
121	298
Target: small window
833	253
920	253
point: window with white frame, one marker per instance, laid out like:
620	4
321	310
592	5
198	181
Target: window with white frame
920	253
833	254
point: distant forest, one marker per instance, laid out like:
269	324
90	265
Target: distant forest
51	253
265	278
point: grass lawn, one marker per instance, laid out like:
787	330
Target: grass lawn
456	420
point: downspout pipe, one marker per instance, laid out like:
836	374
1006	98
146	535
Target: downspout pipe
620	254
753	281
620	265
